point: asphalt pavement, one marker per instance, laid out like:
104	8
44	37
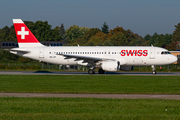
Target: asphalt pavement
85	73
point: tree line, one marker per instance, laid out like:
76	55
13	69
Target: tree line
84	36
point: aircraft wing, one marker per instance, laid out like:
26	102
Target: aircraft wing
84	58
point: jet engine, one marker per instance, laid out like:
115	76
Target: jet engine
110	65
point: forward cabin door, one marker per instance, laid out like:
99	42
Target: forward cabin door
152	53
41	53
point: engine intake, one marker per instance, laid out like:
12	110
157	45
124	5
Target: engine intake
110	65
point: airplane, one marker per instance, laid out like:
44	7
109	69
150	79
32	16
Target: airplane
106	58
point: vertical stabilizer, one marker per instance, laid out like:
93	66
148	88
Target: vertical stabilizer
24	36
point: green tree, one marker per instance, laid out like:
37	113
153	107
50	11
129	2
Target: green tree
62	33
171	46
85	38
147	37
176	33
119	39
108	43
119	36
6	56
160	40
7	34
136	40
154	39
74	32
105	28
43	31
62	30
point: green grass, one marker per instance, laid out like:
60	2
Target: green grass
87	108
90	84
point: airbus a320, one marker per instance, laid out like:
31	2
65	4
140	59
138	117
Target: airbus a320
105	58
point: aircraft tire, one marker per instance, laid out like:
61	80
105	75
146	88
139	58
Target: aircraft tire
91	71
154	72
101	71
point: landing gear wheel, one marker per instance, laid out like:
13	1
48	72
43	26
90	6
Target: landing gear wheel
153	69
91	71
154	72
101	71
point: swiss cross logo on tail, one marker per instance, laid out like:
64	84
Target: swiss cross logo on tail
23	32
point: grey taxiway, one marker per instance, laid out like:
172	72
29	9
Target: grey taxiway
85	73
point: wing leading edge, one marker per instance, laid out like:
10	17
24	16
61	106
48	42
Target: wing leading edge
85	58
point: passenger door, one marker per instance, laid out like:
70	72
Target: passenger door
41	53
152	53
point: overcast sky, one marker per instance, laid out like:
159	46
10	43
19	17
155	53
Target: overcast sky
141	16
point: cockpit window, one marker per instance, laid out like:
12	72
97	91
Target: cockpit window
165	52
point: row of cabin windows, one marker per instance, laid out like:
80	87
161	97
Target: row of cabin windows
96	53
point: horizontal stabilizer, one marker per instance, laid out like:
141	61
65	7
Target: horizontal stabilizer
19	50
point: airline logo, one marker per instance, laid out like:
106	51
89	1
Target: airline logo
24	35
134	52
23	32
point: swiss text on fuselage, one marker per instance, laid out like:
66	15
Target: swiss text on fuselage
134	52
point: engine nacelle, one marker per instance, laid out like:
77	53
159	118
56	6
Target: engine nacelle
126	68
110	65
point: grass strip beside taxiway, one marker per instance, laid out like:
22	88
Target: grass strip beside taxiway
90	84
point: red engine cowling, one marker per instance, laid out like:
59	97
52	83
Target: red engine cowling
110	65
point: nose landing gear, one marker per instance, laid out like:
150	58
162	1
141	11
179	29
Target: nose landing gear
153	69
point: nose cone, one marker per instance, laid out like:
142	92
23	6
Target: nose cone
174	59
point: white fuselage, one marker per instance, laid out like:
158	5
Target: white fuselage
129	55
106	58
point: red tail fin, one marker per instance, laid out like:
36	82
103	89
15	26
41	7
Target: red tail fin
24	35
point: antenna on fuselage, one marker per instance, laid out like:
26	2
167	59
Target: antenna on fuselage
78	45
151	45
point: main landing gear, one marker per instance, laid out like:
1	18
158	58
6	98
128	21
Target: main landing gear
91	71
153	69
100	71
